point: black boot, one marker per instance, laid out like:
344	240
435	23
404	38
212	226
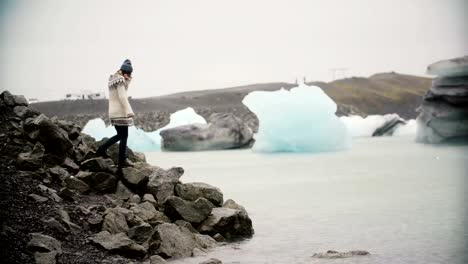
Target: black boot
125	163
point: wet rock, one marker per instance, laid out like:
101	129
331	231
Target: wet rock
157	260
115	221
230	223
118	243
192	212
212	261
134	199
331	254
233	205
225	131
23	111
162	182
140	233
173	241
196	252
44	243
193	191
205	241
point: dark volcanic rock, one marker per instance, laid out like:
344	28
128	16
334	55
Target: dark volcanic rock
119	243
162	182
192	212
193	191
230	223
54	139
13	100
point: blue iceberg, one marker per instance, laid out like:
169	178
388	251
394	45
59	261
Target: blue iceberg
300	120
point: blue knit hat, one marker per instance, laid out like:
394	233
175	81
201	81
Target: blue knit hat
127	66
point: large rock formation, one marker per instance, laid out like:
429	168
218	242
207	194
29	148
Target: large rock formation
224	131
444	111
53	184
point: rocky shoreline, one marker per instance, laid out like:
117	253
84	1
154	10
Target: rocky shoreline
63	204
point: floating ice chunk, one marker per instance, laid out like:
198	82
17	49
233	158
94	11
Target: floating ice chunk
300	120
365	127
138	139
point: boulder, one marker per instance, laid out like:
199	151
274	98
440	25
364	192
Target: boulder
70	165
332	254
225	131
74	183
172	241
162	182
186	225
192	212
140	233
136	176
157	260
233	205
99	181
31	160
118	243
230	223
54	139
44	243
193	191
13	100
115	221
148	213
98	165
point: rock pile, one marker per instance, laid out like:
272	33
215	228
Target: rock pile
76	207
444	111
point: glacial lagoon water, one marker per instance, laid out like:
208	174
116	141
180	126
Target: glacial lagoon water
403	202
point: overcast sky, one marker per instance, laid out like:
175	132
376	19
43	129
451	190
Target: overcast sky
50	48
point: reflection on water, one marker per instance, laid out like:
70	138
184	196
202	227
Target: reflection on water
401	201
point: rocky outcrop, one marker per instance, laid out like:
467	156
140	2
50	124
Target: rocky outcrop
230	223
224	131
444	112
389	127
73	197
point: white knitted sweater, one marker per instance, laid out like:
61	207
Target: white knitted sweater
118	99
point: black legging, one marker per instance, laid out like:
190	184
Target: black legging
122	135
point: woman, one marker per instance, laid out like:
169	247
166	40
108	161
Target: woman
120	112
